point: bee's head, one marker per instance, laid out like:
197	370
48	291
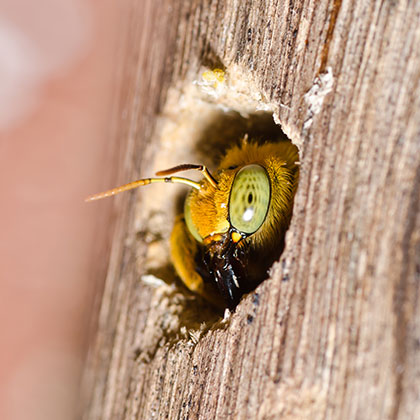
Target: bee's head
221	217
238	202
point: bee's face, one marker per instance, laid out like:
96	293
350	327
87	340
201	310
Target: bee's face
247	211
239	205
222	218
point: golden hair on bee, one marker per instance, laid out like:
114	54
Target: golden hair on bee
234	221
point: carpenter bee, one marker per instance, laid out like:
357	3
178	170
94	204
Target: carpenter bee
234	221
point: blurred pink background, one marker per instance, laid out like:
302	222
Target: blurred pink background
58	66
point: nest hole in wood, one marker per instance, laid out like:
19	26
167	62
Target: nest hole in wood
199	132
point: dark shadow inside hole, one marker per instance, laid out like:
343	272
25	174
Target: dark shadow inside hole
228	128
223	132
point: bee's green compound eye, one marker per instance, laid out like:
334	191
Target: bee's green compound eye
188	220
249	199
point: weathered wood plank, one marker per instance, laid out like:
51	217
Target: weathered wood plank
335	332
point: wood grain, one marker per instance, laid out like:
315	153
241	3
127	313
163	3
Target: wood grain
335	332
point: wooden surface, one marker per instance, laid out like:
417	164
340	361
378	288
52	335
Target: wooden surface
335	332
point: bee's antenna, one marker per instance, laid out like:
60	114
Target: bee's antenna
141	182
187	166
